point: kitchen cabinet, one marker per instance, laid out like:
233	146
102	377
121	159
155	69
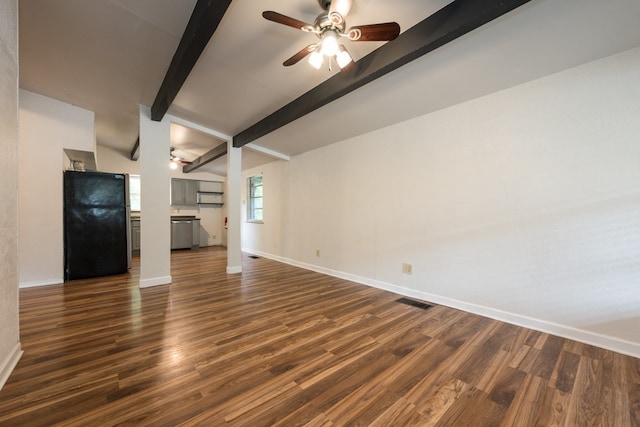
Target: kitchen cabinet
184	192
189	192
135	236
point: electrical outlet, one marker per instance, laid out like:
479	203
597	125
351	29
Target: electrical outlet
407	268
213	237
317	252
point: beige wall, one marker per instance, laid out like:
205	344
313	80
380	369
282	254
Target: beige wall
270	236
9	331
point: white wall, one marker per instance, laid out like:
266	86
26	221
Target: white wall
9	328
270	236
47	126
155	182
111	160
233	195
523	205
211	219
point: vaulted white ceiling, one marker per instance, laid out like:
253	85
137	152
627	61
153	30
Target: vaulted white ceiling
110	56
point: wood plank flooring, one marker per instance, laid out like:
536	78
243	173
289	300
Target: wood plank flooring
281	346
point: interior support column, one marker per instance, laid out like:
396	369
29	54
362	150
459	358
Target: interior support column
155	182
233	201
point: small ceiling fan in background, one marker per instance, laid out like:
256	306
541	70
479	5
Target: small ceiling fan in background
329	27
175	161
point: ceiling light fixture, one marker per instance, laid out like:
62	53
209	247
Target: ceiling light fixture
343	58
330	48
329	45
315	59
329	27
175	161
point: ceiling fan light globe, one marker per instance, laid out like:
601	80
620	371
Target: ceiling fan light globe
329	44
173	165
343	58
315	59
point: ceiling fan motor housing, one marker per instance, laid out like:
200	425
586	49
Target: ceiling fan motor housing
325	4
323	22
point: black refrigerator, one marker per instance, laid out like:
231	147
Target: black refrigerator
96	224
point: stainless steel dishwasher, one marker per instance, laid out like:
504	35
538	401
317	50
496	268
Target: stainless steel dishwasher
181	233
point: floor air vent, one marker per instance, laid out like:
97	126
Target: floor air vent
254	257
414	303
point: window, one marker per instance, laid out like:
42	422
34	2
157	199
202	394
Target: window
254	207
134	192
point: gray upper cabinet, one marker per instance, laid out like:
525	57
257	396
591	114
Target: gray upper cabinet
184	192
190	192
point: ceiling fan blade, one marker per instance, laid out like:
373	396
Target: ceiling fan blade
286	20
301	54
374	32
342	8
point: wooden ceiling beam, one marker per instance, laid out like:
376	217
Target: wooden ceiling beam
208	157
135	151
204	21
452	21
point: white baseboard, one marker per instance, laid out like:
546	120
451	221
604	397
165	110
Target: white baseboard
156	281
6	368
237	269
599	340
36	283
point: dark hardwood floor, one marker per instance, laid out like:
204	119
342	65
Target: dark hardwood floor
284	346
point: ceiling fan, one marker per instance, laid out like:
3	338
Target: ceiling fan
329	27
175	160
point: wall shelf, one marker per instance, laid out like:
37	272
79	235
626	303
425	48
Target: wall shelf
209	198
